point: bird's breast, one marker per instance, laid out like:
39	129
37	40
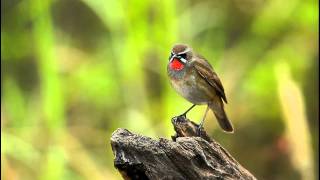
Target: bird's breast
192	87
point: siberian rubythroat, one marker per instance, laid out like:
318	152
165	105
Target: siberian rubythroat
193	78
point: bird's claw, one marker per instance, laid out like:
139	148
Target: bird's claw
183	116
180	118
199	131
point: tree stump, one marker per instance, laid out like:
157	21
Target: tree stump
189	155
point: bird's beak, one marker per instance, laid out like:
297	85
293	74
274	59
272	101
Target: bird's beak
184	61
172	57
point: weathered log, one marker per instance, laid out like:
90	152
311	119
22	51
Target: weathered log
187	156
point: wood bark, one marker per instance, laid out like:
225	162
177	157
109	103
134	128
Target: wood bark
189	155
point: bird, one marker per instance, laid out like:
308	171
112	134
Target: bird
192	76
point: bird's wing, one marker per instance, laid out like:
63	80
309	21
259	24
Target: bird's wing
206	71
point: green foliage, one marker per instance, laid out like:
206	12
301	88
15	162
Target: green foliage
74	71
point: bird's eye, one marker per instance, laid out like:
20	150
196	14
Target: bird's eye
184	56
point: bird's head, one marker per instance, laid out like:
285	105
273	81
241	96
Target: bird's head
181	55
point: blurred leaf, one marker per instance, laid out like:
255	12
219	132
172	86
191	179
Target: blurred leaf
15	106
274	17
297	129
19	149
55	164
111	12
53	105
95	83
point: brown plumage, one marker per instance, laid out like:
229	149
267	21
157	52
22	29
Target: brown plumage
193	78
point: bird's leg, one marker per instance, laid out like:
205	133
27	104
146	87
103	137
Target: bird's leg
183	116
202	121
185	113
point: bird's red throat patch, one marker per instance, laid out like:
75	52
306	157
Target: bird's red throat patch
176	64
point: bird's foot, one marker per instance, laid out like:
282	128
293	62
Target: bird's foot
199	131
184	116
180	118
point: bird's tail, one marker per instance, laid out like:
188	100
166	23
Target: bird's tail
218	110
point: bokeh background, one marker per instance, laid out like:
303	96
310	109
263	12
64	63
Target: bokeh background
73	71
